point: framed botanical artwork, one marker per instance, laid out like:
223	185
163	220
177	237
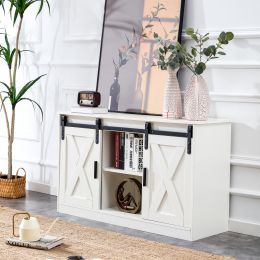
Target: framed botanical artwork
127	78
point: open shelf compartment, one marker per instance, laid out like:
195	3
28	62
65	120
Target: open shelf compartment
112	177
110	183
109	155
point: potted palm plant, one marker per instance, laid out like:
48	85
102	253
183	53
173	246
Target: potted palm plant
13	186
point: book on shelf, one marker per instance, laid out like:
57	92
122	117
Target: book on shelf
131	150
45	243
136	154
89	110
117	150
140	154
122	151
128	151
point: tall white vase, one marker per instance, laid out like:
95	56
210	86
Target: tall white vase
196	99
172	104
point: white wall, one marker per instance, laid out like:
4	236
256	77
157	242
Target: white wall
234	83
67	46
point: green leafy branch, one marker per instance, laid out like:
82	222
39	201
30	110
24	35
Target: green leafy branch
18	7
198	57
170	54
15	98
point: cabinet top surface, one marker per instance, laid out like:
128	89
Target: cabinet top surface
144	118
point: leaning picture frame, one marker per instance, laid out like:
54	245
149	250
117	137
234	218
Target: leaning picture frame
127	79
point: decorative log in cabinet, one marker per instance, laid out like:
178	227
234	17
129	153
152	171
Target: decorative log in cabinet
185	177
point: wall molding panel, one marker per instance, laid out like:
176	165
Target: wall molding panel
26	139
235	97
60	63
45	163
38	39
84	35
83	38
70	91
245	193
240	33
234	65
245	161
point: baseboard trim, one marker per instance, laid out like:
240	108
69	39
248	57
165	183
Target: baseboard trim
41	187
244	227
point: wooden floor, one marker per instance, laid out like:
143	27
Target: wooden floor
230	244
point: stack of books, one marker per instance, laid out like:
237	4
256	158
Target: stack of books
128	151
89	110
45	243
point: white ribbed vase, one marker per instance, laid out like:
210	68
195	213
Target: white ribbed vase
196	99
172	104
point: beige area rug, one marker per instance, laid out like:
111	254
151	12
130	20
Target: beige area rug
93	244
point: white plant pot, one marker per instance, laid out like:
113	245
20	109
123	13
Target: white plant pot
172	103
196	99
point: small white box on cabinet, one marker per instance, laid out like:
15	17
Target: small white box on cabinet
185	191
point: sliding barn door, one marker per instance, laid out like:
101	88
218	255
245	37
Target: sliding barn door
80	169
167	168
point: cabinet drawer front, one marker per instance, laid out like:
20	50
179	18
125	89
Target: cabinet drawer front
80	169
166	194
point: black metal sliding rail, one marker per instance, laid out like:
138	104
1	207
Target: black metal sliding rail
147	130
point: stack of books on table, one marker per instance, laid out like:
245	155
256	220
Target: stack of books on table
45	243
128	151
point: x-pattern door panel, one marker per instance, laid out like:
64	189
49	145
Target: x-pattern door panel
78	154
166	161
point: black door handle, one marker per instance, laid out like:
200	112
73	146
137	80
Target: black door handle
95	169
144	177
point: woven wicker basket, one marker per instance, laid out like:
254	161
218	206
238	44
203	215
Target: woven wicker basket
13	188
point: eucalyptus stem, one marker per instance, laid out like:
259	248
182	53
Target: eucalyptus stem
191	69
196	60
200	48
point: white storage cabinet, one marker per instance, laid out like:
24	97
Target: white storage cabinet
185	181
